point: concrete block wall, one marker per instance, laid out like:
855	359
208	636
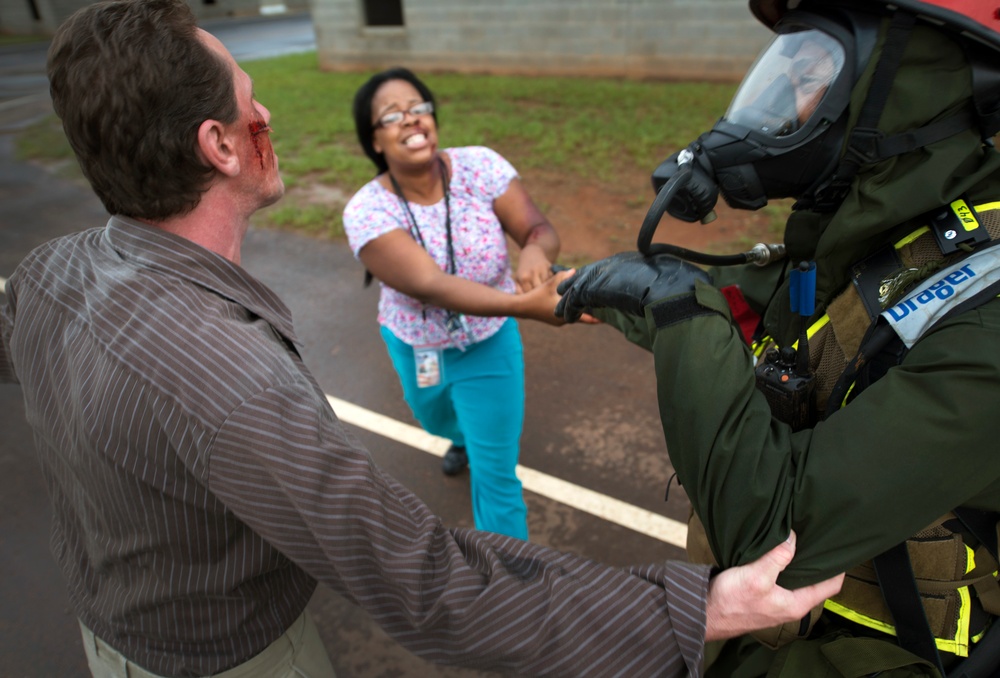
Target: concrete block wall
668	39
242	8
16	18
16	15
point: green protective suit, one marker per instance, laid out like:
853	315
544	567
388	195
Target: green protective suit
914	445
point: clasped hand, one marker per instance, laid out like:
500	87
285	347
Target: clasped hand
627	281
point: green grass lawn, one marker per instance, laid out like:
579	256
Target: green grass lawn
20	39
580	127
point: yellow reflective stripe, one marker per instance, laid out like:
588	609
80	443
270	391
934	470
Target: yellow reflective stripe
817	326
987	206
813	329
910	238
847	394
758	346
859	618
958	646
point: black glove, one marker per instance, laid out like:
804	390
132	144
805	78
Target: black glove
696	200
627	282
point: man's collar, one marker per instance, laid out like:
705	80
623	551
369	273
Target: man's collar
163	251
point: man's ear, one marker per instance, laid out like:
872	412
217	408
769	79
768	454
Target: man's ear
217	148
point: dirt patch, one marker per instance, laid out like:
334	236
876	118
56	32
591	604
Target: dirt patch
595	219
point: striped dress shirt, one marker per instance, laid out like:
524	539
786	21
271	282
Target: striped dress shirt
202	485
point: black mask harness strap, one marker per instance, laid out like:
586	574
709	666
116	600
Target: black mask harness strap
861	145
867	143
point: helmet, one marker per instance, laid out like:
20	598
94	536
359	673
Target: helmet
786	132
975	23
977	20
783	132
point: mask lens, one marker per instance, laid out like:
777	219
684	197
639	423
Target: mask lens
786	85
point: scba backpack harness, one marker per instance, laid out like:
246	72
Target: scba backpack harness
937	591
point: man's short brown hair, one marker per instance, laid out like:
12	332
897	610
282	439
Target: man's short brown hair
132	83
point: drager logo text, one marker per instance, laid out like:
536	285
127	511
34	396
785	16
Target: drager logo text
941	290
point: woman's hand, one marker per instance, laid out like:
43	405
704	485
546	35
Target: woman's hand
540	303
533	268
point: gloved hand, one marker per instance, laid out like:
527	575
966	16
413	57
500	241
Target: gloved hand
627	282
696	200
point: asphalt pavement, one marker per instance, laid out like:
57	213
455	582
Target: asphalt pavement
590	420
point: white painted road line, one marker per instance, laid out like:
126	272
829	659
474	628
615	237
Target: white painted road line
414	436
608	508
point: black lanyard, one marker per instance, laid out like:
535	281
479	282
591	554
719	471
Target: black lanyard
415	228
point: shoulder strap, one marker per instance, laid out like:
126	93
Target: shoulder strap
899	588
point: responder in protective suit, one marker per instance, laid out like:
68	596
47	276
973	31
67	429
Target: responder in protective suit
843	383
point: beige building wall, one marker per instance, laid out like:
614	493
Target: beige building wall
675	39
42	17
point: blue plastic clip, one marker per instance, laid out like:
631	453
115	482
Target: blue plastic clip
802	289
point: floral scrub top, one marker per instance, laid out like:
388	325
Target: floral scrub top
479	175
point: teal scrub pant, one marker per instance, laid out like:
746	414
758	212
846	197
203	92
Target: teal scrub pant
479	404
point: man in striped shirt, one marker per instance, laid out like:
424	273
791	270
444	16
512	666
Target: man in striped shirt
200	482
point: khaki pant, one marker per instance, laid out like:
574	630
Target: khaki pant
299	653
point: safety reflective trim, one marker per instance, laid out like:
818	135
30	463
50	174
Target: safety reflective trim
759	346
964	610
847	395
958	646
900	244
859	618
814	328
970	566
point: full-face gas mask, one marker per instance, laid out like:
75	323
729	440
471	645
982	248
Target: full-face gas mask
784	130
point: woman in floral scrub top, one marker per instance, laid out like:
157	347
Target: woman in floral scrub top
432	227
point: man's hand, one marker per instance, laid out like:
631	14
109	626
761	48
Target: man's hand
747	598
627	282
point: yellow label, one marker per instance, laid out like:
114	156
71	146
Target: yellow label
965	215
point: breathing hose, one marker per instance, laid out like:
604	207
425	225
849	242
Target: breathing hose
760	254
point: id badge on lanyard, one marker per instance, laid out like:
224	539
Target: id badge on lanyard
429	362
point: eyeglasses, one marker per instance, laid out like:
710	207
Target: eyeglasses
396	117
